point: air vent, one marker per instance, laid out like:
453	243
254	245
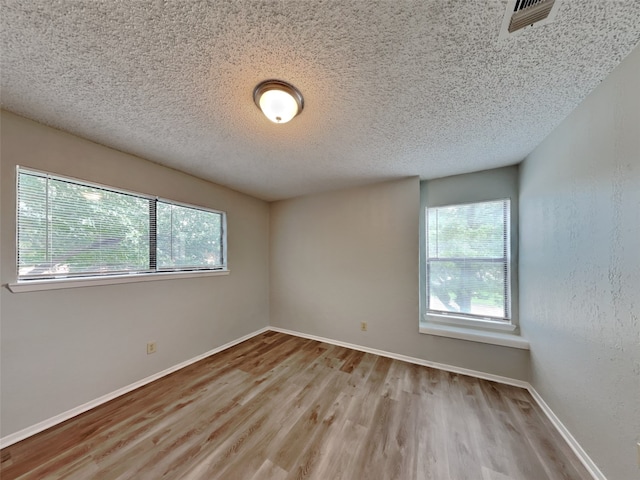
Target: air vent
525	13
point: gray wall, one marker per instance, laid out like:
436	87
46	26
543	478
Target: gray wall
481	186
63	348
580	270
343	257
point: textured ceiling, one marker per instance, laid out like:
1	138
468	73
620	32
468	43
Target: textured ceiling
391	88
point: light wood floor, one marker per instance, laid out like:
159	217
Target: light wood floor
281	407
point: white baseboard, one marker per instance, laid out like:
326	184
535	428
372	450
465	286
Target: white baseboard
573	443
570	439
50	422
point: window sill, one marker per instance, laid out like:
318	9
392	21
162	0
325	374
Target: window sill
59	283
474	335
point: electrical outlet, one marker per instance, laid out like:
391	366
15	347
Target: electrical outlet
151	348
363	326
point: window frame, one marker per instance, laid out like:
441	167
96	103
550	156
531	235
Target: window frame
470	319
472	187
223	235
79	279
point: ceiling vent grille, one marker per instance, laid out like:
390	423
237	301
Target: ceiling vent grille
524	13
528	12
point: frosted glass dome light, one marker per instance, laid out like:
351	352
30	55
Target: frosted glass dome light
278	100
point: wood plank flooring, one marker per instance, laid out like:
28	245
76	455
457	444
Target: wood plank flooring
281	407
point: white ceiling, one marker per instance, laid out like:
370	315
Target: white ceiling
391	88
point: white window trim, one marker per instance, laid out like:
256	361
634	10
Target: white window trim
39	284
77	282
476	329
475	335
473	320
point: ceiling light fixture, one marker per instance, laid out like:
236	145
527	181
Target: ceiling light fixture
278	100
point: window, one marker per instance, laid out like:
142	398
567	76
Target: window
67	228
188	238
467	260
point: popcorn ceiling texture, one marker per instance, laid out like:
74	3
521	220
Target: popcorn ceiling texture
391	88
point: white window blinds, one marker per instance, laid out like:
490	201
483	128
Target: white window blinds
468	264
66	228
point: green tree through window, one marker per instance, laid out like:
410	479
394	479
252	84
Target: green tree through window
67	228
468	259
188	237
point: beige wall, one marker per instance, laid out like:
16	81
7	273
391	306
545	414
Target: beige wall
580	270
343	257
63	348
